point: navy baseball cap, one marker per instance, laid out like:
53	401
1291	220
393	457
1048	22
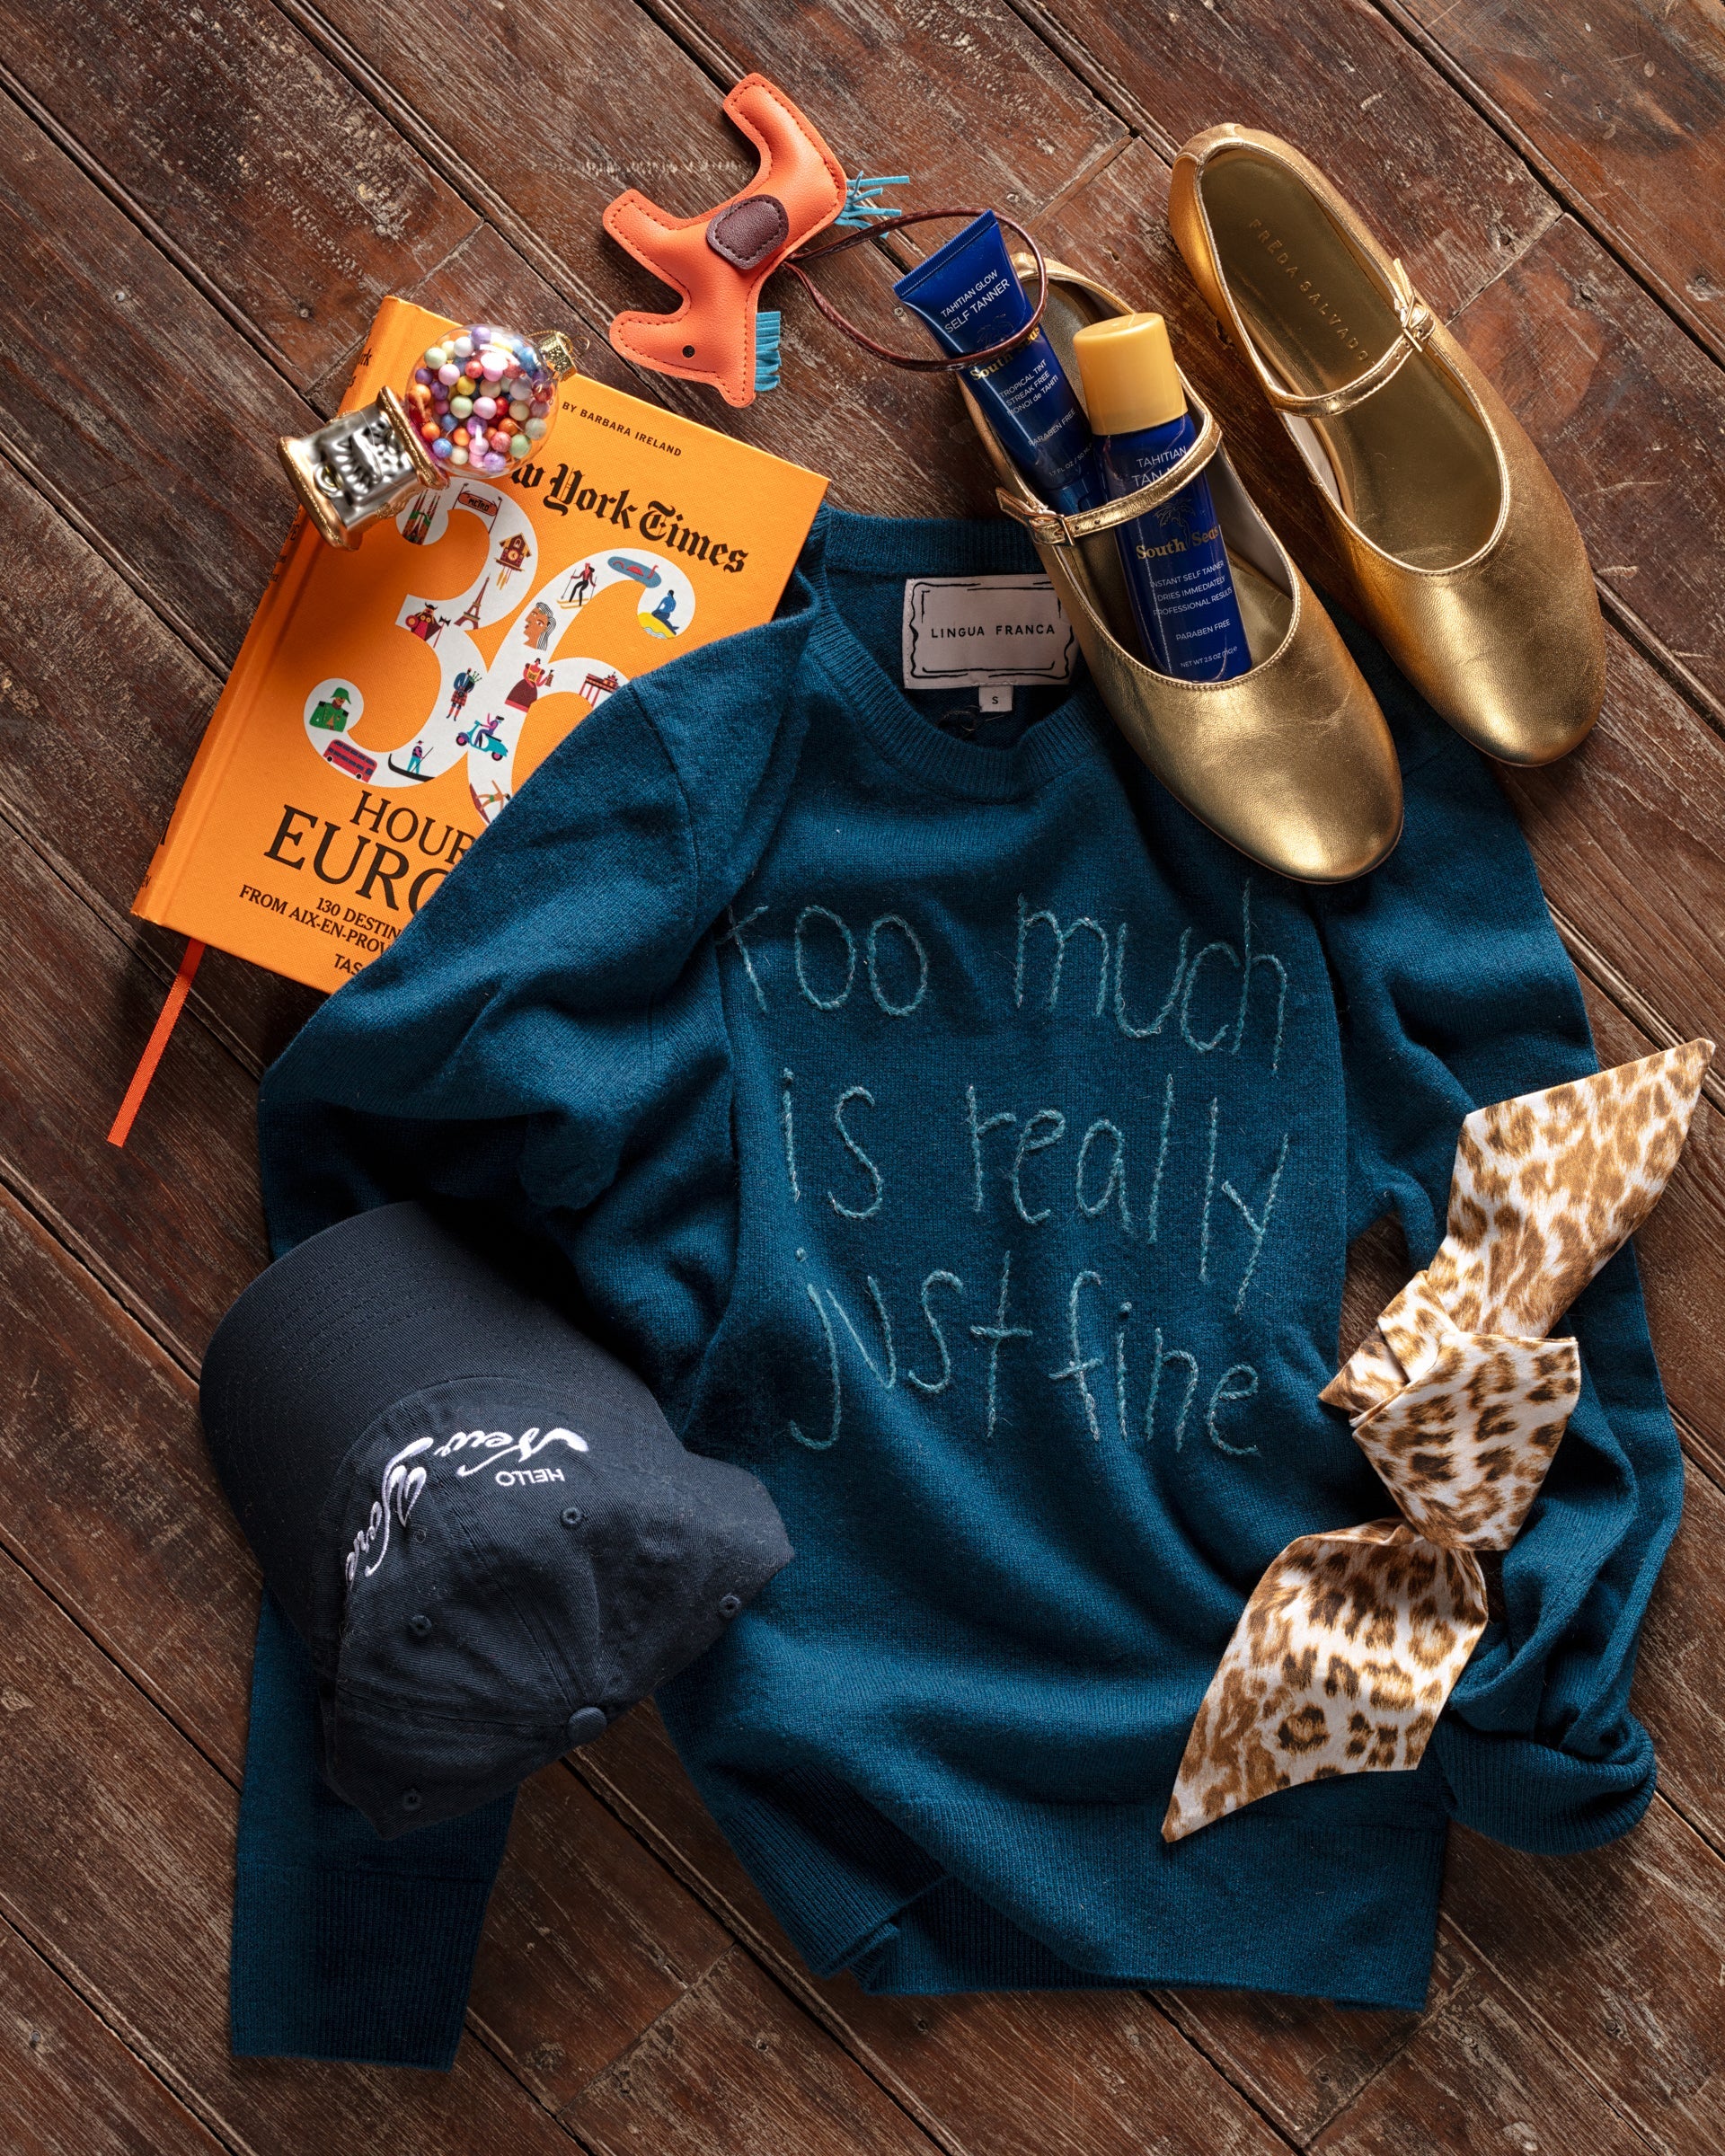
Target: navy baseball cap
479	1522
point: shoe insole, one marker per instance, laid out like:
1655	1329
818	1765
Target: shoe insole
1413	467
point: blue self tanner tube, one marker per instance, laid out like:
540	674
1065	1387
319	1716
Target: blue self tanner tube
970	298
1177	573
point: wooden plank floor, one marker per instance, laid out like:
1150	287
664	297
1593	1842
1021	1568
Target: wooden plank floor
208	201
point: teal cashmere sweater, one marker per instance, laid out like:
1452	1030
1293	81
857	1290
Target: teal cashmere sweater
956	1134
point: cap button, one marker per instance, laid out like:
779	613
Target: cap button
729	1604
412	1800
584	1724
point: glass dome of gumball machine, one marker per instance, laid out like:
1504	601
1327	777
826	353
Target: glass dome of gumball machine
478	403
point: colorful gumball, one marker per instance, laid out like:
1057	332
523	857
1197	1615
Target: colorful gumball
496	383
480	399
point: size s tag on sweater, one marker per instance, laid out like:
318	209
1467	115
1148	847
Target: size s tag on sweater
992	634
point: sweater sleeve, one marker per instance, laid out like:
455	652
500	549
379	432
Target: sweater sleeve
1455	992
551	1014
345	1946
503	1047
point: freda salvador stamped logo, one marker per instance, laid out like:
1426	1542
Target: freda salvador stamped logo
403	1486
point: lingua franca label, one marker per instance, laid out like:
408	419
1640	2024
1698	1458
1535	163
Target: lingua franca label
970	632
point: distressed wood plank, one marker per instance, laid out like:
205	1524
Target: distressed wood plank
1472	2084
969	103
251	155
1342	83
69	2087
1305	2060
1617	1955
272	179
171	454
1621	105
485	276
155	1569
115	1864
176	1212
1631	417
588	1941
727	2073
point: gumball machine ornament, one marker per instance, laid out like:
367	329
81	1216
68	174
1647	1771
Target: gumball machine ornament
477	403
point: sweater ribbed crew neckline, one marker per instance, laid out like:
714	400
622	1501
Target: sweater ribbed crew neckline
906	547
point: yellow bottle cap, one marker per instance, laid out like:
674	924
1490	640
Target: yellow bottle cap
1127	365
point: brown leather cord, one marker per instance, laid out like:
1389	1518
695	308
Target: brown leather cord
912	362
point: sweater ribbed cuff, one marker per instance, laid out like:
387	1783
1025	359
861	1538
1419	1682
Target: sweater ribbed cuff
348	1965
1534	1797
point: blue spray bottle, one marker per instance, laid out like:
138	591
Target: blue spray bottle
1176	565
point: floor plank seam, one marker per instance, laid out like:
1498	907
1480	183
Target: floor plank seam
92	2005
72	1246
1671	669
1092	169
687	35
785	1975
1705	1456
1550	176
116	1657
1710	1837
1560	2046
161	607
790	1978
180	2086
233	1777
1586	954
1242	2083
456	173
667	2016
133	938
130	208
1084	67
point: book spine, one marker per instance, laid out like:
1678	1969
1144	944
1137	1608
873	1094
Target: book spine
227	723
223	734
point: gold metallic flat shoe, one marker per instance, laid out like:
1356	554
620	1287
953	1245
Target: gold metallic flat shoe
1292	761
1467	562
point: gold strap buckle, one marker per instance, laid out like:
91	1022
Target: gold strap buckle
1049	528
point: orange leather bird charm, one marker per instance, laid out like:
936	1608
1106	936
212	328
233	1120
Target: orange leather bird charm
719	260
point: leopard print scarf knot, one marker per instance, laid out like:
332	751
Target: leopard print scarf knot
1344	1656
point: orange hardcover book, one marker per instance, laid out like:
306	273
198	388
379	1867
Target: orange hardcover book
388	701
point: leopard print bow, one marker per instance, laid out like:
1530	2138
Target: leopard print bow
1344	1656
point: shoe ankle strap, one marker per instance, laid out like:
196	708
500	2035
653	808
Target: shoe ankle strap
1053	529
1415	322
